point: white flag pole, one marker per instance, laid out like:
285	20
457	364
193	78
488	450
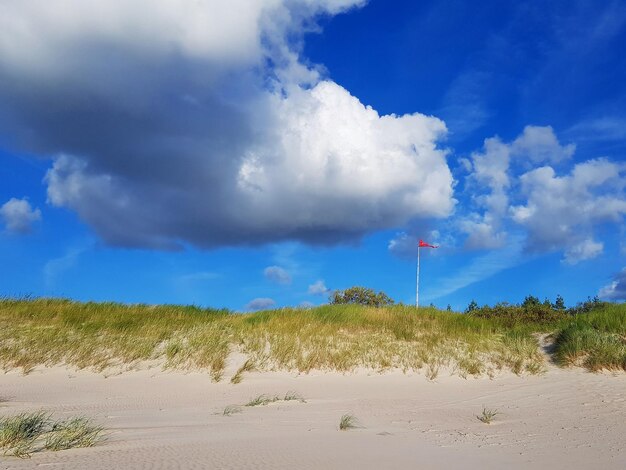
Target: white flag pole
417	282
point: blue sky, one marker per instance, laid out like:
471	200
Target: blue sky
241	155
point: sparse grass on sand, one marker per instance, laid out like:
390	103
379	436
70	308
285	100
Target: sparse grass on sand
26	433
487	415
348	421
263	400
331	337
231	410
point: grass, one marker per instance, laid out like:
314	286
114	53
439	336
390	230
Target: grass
596	340
231	410
294	396
247	366
26	433
262	400
487	415
348	421
75	432
341	338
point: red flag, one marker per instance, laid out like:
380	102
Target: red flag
423	244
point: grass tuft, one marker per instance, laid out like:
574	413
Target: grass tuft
75	432
21	435
294	396
348	421
231	410
247	366
18	433
487	415
262	400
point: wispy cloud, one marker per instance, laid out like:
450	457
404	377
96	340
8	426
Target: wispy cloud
607	128
260	303
318	288
480	268
56	267
277	274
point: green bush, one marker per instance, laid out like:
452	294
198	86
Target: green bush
361	296
530	311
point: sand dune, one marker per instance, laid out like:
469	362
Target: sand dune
168	420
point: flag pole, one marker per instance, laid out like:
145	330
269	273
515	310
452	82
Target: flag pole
417	281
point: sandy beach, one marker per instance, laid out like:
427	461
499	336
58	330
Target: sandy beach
163	419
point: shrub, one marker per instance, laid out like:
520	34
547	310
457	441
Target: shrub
361	296
530	311
471	307
588	306
559	303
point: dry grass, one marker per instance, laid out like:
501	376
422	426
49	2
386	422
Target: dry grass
338	338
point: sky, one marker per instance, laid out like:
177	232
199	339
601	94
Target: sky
260	154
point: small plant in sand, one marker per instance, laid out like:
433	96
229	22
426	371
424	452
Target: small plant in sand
294	396
231	410
247	366
23	434
487	415
75	432
263	400
348	421
18	433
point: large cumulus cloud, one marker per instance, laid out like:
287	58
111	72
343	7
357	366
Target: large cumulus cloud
180	121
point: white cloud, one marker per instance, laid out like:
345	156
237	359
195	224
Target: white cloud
19	216
260	303
540	145
587	249
318	288
557	212
246	143
277	274
616	290
561	211
488	184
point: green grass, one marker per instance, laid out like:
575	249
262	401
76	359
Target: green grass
341	338
26	433
75	432
596	340
348	421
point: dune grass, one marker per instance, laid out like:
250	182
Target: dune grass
487	416
26	433
596	340
332	337
348	421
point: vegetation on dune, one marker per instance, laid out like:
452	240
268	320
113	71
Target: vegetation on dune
26	433
331	337
360	296
596	340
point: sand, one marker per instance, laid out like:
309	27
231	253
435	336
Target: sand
167	420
